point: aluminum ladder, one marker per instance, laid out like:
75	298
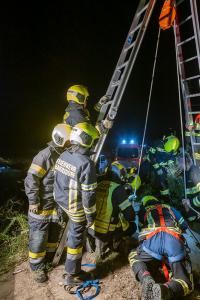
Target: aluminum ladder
124	66
187	44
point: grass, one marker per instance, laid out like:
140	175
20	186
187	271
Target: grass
13	237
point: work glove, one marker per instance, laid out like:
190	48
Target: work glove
186	204
103	100
34	208
107	123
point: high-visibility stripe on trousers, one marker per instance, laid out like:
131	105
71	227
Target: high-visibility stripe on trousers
74	247
43	238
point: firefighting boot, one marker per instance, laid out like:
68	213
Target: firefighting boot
147	288
39	275
162	292
72	281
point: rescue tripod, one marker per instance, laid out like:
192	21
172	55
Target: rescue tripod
127	60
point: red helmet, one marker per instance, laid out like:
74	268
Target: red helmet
197	119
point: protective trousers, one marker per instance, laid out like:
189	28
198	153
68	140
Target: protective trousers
43	239
75	238
181	282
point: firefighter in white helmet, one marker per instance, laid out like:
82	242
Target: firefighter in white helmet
43	216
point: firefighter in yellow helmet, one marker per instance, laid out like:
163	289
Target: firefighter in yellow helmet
161	227
74	191
43	214
114	212
76	112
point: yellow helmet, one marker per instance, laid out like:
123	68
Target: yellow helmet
119	170
61	134
84	134
172	144
148	198
135	182
78	94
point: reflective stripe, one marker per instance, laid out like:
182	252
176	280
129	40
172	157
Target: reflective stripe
165	229
165	192
36	260
184	285
78	216
196	201
73	195
197	155
37	170
146	231
74	256
50	212
51	247
36	255
74	251
131	258
125	204
89	187
90	210
194	189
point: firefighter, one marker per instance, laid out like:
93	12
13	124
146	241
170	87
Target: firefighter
115	215
161	240
76	112
197	139
192	202
162	157
43	217
74	191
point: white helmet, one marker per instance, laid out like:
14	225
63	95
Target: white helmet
61	134
83	134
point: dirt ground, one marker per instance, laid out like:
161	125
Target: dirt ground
114	273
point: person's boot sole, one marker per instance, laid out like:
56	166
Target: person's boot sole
147	290
157	294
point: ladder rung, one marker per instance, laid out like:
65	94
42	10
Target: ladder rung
136	28
191	78
185	41
142	10
189	59
116	83
196	144
193	95
194	112
184	21
122	65
129	47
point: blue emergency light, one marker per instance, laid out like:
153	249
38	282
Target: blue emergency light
123	142
131	142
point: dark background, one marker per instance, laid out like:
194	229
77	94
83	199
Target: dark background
47	48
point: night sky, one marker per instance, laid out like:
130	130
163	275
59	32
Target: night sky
47	48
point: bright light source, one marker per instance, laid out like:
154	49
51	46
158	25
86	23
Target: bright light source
123	141
132	141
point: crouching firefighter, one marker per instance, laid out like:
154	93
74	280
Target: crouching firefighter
74	190
115	215
161	241
43	217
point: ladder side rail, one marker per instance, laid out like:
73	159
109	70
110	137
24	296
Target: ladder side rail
195	21
117	73
184	83
114	104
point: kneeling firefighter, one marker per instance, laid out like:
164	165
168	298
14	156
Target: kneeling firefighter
114	214
74	191
161	239
43	215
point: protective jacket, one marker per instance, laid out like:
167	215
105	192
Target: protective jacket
75	184
39	183
161	228
114	211
193	186
75	113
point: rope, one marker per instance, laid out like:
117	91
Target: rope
148	107
88	283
